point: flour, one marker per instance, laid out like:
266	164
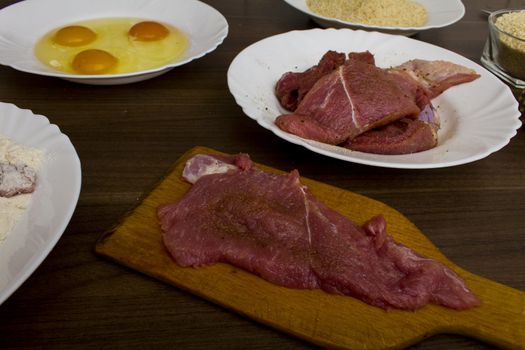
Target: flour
12	208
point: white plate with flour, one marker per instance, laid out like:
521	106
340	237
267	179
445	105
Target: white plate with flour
52	203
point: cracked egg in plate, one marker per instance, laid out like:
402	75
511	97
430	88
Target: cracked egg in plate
111	46
107	42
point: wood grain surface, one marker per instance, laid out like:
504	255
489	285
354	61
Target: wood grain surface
129	136
329	320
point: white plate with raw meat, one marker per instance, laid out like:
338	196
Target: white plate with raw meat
440	14
51	204
477	118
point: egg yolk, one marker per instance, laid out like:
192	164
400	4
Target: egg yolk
94	62
74	36
148	31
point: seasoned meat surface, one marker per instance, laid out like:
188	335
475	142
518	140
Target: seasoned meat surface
293	86
271	225
356	97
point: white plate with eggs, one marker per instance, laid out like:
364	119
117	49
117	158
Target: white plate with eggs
193	30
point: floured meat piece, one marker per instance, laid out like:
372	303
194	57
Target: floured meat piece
358	97
19	165
16	179
293	86
272	226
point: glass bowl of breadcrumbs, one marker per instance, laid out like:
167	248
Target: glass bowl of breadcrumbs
504	53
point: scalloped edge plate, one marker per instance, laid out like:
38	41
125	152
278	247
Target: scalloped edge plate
52	203
24	23
440	14
477	118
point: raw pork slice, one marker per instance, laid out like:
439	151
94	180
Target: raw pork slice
355	98
358	96
400	137
293	86
272	226
437	76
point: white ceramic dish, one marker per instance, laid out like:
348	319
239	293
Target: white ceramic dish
52	203
22	24
440	14
478	118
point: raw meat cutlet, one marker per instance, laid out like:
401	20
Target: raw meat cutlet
357	98
272	226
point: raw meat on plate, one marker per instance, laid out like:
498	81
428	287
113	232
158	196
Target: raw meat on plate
357	96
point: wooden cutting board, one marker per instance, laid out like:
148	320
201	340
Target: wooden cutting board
324	319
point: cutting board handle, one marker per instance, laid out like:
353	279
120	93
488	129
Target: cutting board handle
501	317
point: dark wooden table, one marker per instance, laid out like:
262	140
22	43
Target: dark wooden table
128	136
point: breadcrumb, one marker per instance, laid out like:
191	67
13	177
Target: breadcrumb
391	13
512	23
